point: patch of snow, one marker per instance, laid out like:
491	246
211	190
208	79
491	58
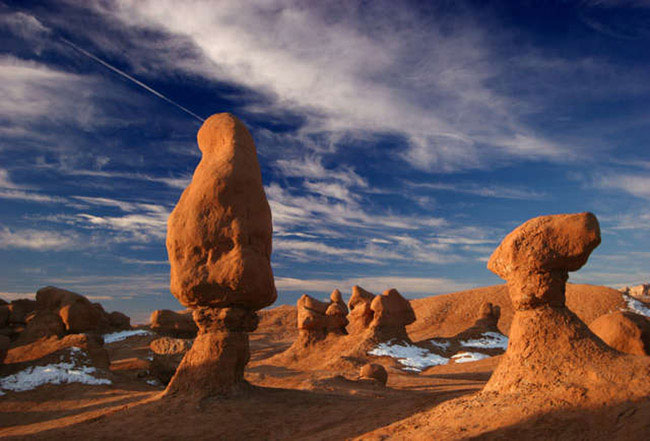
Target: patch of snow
153	382
466	357
72	371
414	358
440	344
489	340
636	306
123	335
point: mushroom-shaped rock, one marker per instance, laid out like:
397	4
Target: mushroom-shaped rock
624	331
374	372
336	297
536	257
219	233
219	246
391	314
311	313
359	296
360	313
551	352
336	320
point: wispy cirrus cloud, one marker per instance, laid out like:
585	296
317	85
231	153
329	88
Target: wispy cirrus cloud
485	190
37	240
443	106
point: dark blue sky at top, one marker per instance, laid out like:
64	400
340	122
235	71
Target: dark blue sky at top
399	142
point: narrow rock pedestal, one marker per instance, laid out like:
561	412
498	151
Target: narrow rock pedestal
214	366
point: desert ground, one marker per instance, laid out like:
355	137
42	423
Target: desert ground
324	398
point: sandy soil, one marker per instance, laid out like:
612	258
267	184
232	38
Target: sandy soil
291	403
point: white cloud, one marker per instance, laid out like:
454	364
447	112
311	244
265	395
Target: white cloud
383	70
37	240
485	190
634	184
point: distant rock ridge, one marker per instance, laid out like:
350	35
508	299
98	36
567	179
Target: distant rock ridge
640	292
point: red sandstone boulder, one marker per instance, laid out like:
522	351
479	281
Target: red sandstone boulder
336	320
219	234
117	320
42	324
173	324
219	246
536	257
624	331
4	346
4	315
551	352
20	309
360	312
337	298
374	372
167	355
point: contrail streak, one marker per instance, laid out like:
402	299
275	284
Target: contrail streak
130	78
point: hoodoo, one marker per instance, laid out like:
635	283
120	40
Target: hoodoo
550	348
219	246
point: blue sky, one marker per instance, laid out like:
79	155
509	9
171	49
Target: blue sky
398	142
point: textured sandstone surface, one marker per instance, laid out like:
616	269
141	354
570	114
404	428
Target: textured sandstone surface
624	331
535	258
219	234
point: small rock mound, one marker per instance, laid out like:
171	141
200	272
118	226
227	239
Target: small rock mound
168	353
624	331
173	324
374	372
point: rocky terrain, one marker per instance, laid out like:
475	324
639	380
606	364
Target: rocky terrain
536	358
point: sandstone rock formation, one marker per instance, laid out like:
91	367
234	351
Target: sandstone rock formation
168	353
624	331
337	298
486	321
56	312
4	346
374	372
640	292
391	314
383	317
219	246
173	324
550	350
78	314
317	319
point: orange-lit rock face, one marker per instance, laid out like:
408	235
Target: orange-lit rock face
536	257
219	234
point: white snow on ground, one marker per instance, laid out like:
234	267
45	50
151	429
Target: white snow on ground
123	335
466	357
489	340
440	344
414	358
636	306
73	371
